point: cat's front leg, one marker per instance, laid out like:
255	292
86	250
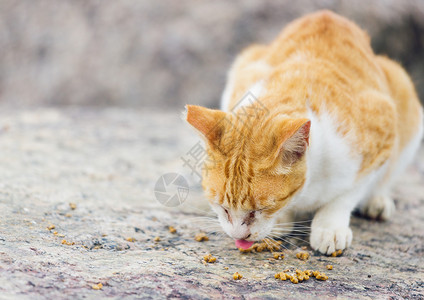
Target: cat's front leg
330	229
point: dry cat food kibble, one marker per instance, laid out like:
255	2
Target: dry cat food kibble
302	255
321	276
209	258
130	239
237	276
265	245
278	255
65	242
282	276
51	227
73	206
172	229
200	237
329	267
156	239
97	286
300	276
337	253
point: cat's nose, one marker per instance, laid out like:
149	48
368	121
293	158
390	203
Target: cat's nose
240	235
247	236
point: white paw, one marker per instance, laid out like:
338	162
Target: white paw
379	207
327	240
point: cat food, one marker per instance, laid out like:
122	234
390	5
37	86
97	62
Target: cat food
265	245
294	279
300	276
51	227
302	255
237	276
337	253
73	206
209	258
98	286
65	242
200	237
321	276
156	239
172	229
278	255
329	267
282	276
130	239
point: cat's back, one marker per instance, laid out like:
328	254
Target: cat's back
328	60
311	46
327	38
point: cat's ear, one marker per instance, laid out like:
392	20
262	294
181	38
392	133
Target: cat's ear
206	121
293	140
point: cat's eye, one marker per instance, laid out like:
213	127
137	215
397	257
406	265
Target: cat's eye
228	214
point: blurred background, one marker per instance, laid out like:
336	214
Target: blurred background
165	54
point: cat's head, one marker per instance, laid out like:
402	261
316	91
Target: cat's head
254	168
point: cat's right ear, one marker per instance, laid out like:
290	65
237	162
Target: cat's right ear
206	121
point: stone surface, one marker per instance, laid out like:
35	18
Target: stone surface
107	162
166	53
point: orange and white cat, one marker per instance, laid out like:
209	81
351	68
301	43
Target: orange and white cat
332	126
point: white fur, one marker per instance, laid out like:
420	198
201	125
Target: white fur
256	89
380	203
237	230
228	92
332	189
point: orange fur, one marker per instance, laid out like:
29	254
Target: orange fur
321	61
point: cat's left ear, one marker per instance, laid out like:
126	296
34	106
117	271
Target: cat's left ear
293	139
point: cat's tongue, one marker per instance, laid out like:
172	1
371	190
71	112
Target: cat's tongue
243	244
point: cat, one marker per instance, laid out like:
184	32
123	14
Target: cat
330	128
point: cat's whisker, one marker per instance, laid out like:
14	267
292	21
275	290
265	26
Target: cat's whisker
205	218
297	238
204	228
202	211
287	235
294	227
205	221
291	231
269	236
285	240
296	222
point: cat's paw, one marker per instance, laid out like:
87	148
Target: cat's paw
379	207
327	240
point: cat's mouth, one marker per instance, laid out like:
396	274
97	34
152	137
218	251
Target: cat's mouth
243	244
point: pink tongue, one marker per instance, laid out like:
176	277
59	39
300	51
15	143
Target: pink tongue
243	244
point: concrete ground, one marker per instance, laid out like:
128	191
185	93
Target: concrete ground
107	162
